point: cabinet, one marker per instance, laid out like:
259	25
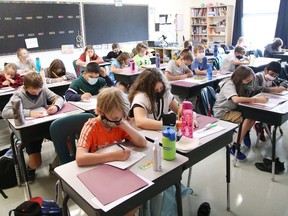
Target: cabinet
213	23
167	53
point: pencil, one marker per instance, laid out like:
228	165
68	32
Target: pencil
54	101
55	74
82	91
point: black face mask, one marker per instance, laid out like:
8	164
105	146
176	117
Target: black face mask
109	122
239	57
159	95
33	97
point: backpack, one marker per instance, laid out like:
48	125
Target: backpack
27	208
7	169
208	98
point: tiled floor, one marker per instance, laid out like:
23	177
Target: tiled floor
252	191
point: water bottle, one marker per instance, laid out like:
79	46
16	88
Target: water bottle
132	65
157	60
156	155
87	59
38	65
169	144
209	72
215	50
18	114
187	119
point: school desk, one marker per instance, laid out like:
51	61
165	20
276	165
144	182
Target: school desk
104	64
162	66
126	76
86	105
258	64
283	57
32	130
192	86
169	175
274	112
207	145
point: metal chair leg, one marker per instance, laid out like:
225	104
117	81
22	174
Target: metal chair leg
189	176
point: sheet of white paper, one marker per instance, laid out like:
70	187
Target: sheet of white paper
117	202
31	43
6	89
202	132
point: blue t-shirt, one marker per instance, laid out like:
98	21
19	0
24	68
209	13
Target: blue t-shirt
200	65
117	65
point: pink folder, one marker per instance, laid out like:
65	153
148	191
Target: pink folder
204	120
67	107
108	183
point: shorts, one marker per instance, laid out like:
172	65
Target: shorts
34	147
233	116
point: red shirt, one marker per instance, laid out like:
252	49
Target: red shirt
93	58
18	81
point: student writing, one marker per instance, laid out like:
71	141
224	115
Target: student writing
234	59
87	56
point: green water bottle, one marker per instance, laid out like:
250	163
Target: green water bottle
169	144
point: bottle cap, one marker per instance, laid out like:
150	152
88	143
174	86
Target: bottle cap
187	105
169	133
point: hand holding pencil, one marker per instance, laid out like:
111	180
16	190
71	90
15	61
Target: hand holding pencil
85	95
52	108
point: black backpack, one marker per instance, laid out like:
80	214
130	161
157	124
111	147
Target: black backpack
27	208
208	98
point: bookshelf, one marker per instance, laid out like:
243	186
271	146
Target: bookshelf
213	23
167	53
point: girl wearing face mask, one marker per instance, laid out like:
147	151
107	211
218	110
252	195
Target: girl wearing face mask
88	83
25	63
236	90
199	65
119	64
268	81
141	58
178	69
150	98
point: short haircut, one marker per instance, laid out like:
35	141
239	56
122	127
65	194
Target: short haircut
115	45
18	52
198	47
92	67
10	67
33	80
186	55
274	66
239	49
111	99
277	43
140	46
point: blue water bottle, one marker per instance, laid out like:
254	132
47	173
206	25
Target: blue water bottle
157	60
215	50
209	72
38	65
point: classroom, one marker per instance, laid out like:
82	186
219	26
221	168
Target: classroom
129	107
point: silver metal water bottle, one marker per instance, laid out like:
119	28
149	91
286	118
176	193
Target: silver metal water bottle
18	112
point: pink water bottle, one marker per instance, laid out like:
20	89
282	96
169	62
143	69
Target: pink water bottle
187	119
132	66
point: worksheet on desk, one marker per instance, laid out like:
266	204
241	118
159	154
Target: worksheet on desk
6	89
273	100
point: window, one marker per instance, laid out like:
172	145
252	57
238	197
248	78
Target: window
259	21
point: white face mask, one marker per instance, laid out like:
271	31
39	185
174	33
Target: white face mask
200	55
269	77
92	81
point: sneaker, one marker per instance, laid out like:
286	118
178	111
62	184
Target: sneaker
240	156
247	140
204	209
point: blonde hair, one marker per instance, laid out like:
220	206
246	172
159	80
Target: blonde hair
140	46
198	47
110	99
186	55
19	51
10	67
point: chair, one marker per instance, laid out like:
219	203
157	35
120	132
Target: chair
76	68
208	98
67	127
258	53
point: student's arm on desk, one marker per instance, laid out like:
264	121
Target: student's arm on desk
143	122
238	62
54	98
136	138
71	95
260	99
116	70
174	78
79	62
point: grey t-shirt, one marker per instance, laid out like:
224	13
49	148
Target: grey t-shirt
224	104
174	70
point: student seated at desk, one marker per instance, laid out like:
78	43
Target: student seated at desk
274	48
141	58
90	55
107	128
56	72
200	65
25	63
9	77
119	64
33	95
234	59
88	83
112	55
236	90
178	69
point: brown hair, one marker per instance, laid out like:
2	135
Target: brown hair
146	83
89	47
239	49
241	73
33	80
187	43
10	67
140	46
54	66
115	45
113	98
203	41
198	47
18	52
186	55
123	57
